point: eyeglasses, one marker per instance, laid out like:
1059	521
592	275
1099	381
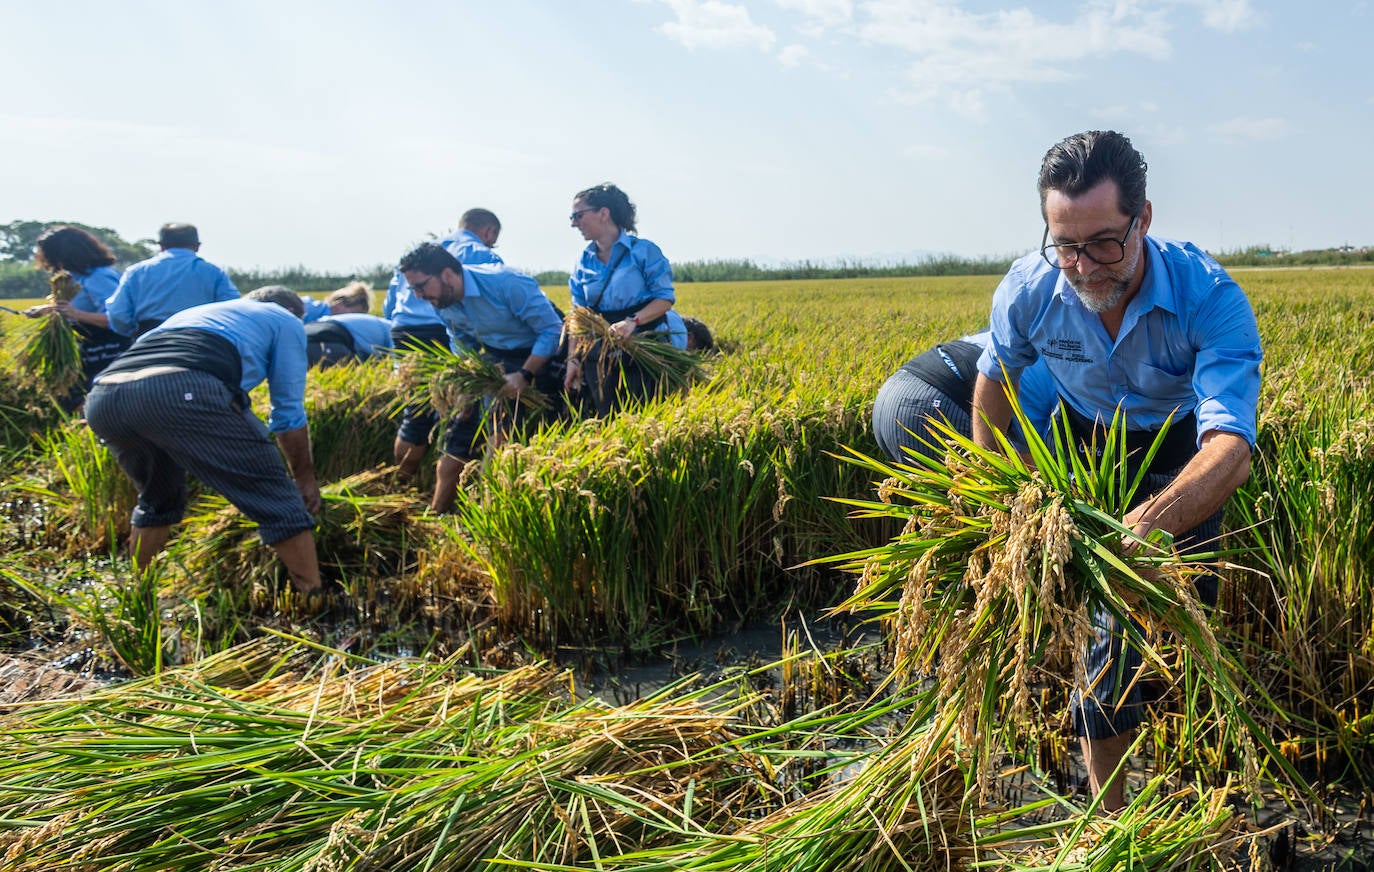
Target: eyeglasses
419	288
576	215
1103	251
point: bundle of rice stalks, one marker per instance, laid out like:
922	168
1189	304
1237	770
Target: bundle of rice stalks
1002	572
1187	829
350	413
51	353
448	380
593	341
404	765
363	531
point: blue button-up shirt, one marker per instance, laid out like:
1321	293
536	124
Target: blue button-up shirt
271	346
314	309
96	288
405	308
160	286
635	273
505	309
1188	342
370	333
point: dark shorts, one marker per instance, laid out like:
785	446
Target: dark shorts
1117	699
417	422
164	426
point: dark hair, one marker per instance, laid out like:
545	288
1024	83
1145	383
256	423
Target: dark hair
178	236
282	296
474	219
1080	162
614	199
700	334
71	249
430	259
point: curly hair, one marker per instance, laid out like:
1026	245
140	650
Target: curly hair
607	195
71	249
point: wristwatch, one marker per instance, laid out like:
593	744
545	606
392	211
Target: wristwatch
529	376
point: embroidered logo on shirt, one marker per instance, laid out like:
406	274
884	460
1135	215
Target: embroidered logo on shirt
1066	349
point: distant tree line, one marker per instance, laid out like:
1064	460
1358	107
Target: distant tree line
19	279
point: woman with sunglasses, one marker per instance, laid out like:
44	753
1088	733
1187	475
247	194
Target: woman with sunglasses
627	281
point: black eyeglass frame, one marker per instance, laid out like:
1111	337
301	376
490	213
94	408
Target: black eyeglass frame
1080	247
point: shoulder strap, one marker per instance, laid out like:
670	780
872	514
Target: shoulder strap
605	284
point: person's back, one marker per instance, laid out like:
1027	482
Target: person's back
175	279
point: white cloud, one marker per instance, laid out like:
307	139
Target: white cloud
793	55
1227	16
825	13
962	55
713	24
1251	128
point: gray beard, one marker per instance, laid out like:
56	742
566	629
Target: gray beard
1103	303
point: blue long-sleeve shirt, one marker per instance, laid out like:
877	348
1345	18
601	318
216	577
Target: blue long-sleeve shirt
271	346
370	333
635	273
503	308
1188	342
405	309
314	309
163	285
96	288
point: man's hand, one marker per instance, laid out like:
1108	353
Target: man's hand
310	492
40	310
515	383
572	378
622	329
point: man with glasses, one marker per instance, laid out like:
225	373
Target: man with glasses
503	314
414	321
1154	327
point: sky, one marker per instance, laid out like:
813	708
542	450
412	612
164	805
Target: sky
337	135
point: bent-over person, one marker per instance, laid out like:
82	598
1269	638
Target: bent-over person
177	402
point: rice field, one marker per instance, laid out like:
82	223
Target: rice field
429	721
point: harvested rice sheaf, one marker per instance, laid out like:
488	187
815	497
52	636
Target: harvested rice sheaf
447	380
991	587
592	340
52	354
363	531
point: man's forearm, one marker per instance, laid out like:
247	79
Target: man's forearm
991	409
295	445
1201	487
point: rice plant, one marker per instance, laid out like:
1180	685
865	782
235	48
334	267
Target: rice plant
991	589
51	353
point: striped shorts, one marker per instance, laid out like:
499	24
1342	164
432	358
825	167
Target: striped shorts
164	426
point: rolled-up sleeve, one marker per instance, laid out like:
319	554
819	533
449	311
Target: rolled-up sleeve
286	378
658	273
1226	376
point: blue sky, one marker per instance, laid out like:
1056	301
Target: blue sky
336	134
